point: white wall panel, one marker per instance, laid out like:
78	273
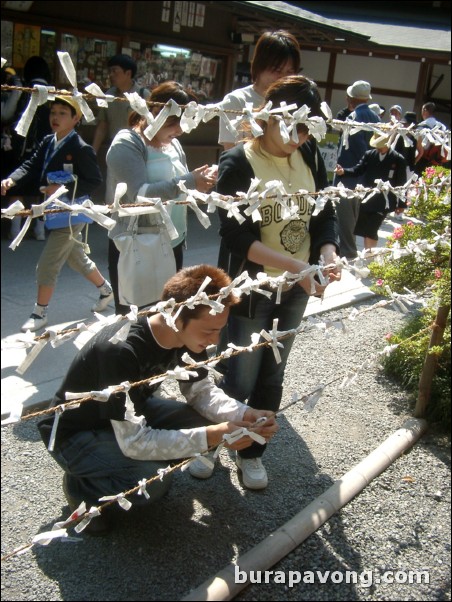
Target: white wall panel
315	64
381	73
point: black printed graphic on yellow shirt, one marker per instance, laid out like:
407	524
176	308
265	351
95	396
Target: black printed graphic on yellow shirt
293	232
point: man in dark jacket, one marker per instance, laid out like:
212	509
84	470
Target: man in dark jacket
382	163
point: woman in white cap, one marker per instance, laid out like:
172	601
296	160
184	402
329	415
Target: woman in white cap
396	112
62	151
377	109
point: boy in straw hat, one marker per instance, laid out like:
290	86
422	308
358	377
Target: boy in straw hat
62	151
381	163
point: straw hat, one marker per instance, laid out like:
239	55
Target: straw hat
70	100
379	141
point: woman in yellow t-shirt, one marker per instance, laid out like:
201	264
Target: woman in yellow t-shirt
273	245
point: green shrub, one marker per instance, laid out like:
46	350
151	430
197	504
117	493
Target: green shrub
429	275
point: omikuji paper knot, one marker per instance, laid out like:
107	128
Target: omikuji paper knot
386	352
272	337
224	119
162	472
139	105
120	191
102	99
313	398
40	97
191	117
180	373
13	209
84	107
68	67
142	490
350	378
58	413
75	515
155	124
45	538
129	319
231	438
124	503
92	513
129	414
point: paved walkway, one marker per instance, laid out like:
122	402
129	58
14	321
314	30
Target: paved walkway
74	296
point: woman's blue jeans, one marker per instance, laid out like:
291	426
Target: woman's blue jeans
256	376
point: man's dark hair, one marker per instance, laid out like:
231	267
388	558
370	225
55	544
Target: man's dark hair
409	117
430	107
125	62
36	67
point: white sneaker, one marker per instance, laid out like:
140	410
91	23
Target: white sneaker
199	469
102	302
254	475
34	322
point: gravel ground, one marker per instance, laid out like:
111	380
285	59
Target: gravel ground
400	522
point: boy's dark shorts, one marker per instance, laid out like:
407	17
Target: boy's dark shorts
368	224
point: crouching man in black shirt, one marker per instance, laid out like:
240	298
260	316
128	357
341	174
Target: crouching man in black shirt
105	450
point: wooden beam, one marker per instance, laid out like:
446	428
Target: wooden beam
330	78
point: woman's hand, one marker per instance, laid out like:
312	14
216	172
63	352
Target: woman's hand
332	271
204	178
339	170
267	426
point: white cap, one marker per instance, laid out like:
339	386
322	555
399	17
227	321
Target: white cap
359	89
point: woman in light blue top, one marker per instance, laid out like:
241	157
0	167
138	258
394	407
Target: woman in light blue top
153	168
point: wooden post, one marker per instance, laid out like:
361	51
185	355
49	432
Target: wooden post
431	361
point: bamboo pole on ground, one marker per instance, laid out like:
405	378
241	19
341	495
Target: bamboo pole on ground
223	585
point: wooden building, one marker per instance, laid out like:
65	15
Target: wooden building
402	49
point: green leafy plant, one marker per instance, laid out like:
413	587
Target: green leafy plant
426	273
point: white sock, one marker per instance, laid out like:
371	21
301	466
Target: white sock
105	289
40	310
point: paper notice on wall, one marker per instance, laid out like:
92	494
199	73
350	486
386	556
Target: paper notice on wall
200	15
166	10
177	17
191	13
184	21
